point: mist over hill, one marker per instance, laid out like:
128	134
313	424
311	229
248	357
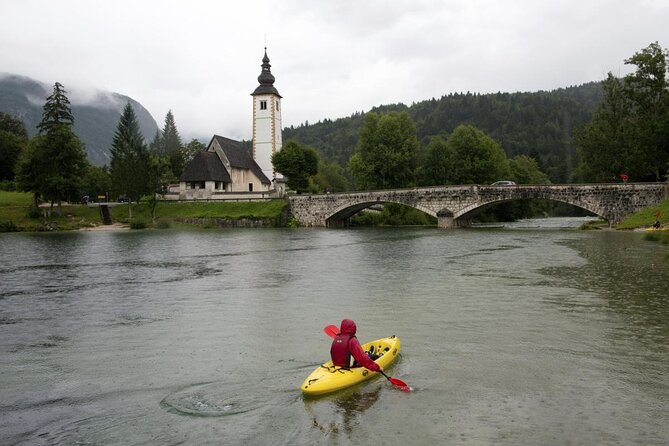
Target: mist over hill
96	113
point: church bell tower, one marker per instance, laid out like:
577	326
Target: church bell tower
266	121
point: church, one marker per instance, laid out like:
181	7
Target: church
226	170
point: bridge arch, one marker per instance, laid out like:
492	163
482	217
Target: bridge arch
452	205
342	214
465	215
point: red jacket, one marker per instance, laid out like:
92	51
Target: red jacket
345	345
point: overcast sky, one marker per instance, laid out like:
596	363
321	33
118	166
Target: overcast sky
201	59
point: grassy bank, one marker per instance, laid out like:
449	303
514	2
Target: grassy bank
646	217
17	214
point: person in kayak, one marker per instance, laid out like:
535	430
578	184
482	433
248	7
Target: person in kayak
346	347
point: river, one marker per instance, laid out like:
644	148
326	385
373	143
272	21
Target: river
529	334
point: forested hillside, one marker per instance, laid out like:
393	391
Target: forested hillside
538	124
94	120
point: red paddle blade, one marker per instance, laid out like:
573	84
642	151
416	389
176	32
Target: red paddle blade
399	384
331	330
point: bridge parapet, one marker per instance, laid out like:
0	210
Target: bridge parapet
455	205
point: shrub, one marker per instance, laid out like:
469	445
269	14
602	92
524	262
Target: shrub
8	185
34	211
8	226
163	224
138	224
593	224
292	223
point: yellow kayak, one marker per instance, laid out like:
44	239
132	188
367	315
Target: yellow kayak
329	378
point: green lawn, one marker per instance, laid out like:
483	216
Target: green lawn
15	198
266	209
646	217
15	206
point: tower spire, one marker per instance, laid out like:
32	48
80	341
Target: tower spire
266	79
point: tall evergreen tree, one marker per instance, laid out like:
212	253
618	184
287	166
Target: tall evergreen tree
129	158
56	160
171	145
171	138
156	144
56	113
13	142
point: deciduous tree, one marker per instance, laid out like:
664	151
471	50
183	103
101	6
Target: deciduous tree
525	170
158	178
191	149
629	132
477	158
386	152
297	162
96	181
330	178
438	167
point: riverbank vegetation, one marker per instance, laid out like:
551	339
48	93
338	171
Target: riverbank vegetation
18	213
393	215
645	218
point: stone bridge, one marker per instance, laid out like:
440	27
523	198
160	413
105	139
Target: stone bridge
454	206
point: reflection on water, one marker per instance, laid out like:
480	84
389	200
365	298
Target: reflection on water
340	413
529	334
540	223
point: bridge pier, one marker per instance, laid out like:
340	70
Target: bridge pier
446	220
331	223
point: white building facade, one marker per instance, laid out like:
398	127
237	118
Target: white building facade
266	121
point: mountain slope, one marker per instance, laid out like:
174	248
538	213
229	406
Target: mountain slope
95	117
539	124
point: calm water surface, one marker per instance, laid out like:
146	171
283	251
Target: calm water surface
523	335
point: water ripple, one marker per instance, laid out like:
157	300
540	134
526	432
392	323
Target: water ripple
211	400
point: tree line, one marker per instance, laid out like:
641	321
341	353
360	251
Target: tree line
593	133
53	164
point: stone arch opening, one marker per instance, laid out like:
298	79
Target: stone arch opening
465	216
341	217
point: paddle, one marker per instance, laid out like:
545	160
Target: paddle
332	331
397	383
